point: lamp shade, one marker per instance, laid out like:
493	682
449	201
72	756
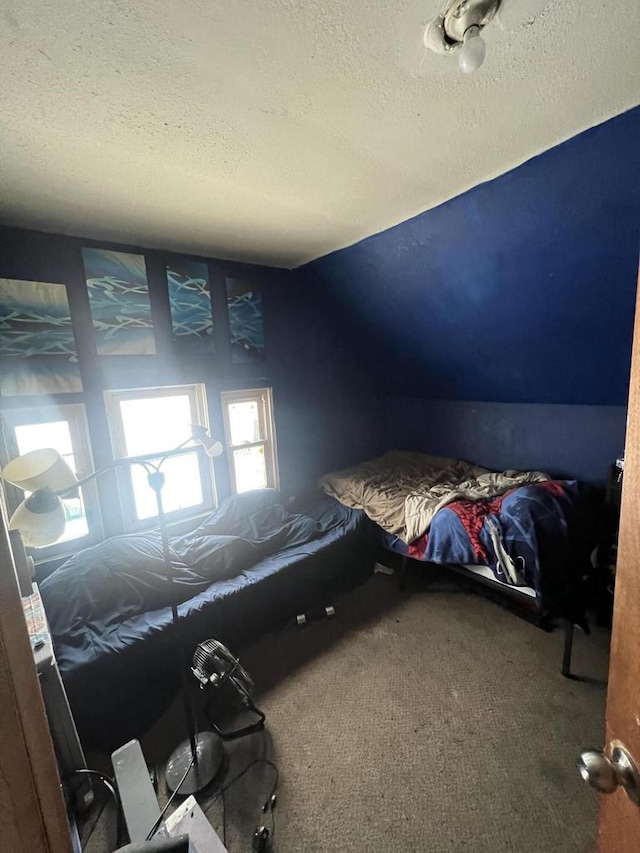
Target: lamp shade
212	446
40	519
38	469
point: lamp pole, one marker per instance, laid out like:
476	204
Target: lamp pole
196	762
156	480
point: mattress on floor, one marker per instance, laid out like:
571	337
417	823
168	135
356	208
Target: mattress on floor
120	672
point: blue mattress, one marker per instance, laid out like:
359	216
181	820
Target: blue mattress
253	563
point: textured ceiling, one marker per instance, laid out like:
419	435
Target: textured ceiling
278	130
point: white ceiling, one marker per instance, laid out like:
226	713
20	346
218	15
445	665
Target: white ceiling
278	130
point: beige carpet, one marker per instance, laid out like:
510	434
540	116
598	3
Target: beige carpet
431	721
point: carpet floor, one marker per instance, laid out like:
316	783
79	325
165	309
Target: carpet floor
432	720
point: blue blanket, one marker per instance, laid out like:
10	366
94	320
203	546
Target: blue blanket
127	575
546	531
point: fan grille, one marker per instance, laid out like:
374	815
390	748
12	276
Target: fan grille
213	664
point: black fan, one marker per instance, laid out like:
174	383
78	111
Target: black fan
214	666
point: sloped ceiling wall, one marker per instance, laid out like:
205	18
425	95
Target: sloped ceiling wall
521	290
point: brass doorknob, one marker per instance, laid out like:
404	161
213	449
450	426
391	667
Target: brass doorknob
607	774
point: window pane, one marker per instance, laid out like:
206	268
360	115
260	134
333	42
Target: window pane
56	434
250	468
153	424
244	422
182	487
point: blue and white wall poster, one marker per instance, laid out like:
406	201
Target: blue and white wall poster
37	345
244	301
119	300
190	303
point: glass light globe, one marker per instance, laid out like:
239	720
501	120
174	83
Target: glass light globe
473	50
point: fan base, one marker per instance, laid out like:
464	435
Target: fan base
209	758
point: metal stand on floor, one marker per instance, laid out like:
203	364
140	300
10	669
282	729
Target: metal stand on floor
303	619
568	648
402	581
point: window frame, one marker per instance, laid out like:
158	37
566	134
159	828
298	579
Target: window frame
264	398
198	403
75	415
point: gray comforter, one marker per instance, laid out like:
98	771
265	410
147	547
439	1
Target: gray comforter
402	491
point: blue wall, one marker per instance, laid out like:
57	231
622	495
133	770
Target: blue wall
566	441
520	291
328	412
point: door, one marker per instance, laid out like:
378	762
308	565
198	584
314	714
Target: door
619	819
32	811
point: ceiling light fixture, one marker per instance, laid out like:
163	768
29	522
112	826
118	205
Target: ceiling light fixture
457	29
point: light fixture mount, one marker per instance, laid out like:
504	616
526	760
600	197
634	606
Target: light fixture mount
446	31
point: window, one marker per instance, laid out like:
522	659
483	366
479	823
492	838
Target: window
64	428
250	439
147	422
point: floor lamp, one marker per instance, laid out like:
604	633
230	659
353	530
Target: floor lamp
40	520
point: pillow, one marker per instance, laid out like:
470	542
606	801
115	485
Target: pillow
236	515
245	529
